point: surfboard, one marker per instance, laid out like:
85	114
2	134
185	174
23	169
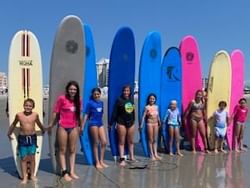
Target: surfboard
90	82
171	85
67	63
219	88
191	79
25	81
149	79
121	72
237	87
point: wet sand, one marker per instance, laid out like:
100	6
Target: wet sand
193	170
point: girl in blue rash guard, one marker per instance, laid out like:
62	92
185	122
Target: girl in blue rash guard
93	114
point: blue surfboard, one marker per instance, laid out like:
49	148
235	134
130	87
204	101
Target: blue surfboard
89	83
171	77
149	79
121	72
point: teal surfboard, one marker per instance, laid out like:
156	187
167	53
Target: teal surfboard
149	78
171	85
90	82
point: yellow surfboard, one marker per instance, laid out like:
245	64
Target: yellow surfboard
219	88
25	81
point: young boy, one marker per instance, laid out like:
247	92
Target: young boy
221	122
27	137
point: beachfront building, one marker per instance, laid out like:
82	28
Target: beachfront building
102	68
3	83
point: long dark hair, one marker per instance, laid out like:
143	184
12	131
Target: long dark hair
76	100
123	88
150	95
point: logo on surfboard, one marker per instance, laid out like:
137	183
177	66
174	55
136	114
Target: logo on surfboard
153	53
190	56
25	62
172	73
71	46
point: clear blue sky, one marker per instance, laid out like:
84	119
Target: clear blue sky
216	24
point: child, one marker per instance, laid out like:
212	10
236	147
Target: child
173	120
94	113
151	114
221	122
27	137
240	117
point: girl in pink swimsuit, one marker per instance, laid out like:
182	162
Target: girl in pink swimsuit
67	112
151	114
240	117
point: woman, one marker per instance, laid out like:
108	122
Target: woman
93	114
68	110
196	113
124	117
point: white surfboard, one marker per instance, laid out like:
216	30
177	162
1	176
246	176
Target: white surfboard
25	81
66	64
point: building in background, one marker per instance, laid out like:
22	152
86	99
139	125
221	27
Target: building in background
3	83
102	69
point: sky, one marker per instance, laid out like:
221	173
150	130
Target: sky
216	24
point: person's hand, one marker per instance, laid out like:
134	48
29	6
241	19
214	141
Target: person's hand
49	129
80	130
10	137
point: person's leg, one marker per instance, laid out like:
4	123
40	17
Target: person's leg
237	130
242	130
73	137
193	124
151	141
171	139
62	138
202	130
32	167
177	138
103	139
155	133
130	140
121	131
24	170
95	142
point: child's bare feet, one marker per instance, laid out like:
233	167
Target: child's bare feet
104	165
171	154
180	154
194	151
24	181
74	176
67	177
98	166
122	162
237	150
153	158
207	151
216	151
223	151
243	149
33	178
158	157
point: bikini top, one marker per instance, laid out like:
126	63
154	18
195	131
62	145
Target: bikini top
152	111
197	106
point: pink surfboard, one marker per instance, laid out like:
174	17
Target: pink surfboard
237	64
192	79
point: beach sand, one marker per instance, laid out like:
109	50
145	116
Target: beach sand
193	170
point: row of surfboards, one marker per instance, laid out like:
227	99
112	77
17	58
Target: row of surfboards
175	76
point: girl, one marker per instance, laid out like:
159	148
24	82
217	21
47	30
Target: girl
151	114
240	117
94	113
173	120
196	112
221	122
68	109
124	117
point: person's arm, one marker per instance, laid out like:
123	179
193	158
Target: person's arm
12	127
143	119
114	114
165	117
39	124
228	119
52	121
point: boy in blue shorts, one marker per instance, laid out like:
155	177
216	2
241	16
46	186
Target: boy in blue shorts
27	137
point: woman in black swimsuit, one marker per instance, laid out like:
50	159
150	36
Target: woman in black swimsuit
124	117
196	113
